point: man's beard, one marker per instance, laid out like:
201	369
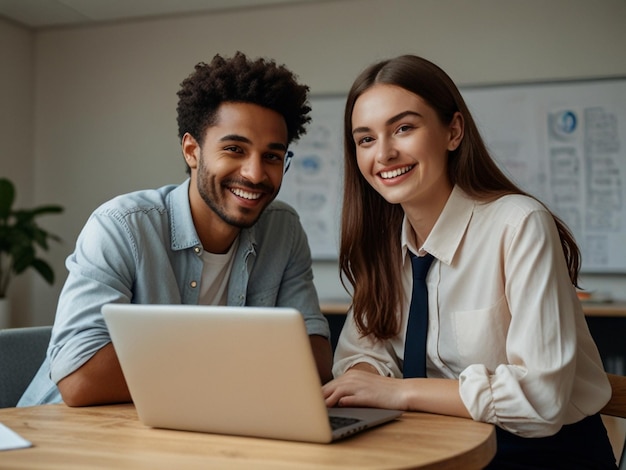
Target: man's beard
210	193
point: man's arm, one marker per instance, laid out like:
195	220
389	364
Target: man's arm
98	381
323	354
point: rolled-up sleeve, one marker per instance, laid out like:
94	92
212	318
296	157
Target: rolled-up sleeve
99	273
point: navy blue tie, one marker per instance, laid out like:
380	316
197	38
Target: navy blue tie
417	327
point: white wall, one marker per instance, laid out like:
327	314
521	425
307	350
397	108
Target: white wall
16	130
105	95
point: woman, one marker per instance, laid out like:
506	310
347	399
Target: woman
507	339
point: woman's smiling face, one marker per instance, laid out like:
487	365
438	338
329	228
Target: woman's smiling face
402	146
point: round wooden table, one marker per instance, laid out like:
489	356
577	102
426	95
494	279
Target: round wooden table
112	437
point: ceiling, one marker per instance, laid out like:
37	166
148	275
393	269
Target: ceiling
50	13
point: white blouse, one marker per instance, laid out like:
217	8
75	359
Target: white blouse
504	318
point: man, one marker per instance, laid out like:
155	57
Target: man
215	239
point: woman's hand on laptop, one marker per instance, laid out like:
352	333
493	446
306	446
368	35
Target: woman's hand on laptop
358	388
362	386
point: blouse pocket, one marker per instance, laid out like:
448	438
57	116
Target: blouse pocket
480	335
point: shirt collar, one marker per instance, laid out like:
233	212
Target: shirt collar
446	235
182	229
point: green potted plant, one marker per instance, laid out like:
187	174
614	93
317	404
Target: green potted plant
20	236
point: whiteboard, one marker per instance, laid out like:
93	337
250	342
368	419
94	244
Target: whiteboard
313	183
563	142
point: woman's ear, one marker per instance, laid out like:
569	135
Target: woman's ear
457	130
191	150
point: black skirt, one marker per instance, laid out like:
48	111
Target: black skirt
582	445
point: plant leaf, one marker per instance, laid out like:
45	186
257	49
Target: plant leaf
50	209
20	236
7	196
23	258
44	269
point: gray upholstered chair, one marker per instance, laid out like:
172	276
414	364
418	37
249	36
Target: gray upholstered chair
22	350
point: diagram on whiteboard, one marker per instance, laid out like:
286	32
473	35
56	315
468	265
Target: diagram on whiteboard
566	144
314	180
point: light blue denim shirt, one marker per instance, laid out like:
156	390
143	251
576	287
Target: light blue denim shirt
143	248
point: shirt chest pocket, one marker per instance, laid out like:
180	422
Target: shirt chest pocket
479	336
262	295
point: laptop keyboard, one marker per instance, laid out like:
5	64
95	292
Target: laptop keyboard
337	422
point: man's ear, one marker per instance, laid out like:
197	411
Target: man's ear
191	150
457	130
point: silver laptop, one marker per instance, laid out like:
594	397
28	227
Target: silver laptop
245	371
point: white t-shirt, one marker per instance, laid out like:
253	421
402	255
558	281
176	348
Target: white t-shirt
215	276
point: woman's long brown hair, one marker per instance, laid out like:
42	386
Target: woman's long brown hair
370	252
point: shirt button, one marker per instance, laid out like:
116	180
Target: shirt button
196	249
193	284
